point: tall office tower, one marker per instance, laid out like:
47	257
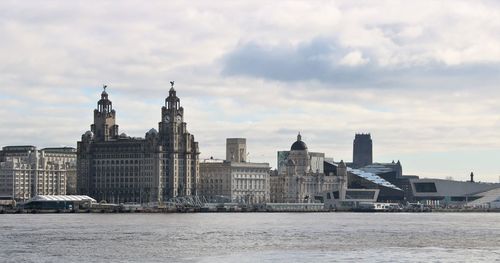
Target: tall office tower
362	150
236	150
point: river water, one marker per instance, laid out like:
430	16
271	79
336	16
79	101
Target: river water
251	237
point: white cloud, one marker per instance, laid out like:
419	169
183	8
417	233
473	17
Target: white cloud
353	59
428	84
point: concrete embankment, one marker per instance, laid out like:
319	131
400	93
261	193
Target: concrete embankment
201	210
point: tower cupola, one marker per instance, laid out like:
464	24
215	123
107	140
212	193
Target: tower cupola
104	105
172	101
104	127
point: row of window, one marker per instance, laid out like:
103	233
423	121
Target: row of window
250	176
20	180
137	162
251	170
115	186
124	179
249	187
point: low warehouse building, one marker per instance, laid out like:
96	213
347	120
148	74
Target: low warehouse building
59	202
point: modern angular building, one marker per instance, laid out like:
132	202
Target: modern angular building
26	172
393	173
359	182
235	179
119	168
442	192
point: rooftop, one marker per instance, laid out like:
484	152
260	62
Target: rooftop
63	198
299	145
372	178
60	149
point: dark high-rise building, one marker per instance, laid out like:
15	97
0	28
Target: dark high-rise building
119	168
362	150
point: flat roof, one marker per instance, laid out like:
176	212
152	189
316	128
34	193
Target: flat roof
18	148
67	198
60	149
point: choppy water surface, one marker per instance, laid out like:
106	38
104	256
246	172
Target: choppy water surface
251	237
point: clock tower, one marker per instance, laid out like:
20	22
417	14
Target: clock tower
181	165
119	168
172	114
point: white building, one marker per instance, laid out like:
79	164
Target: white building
26	171
234	179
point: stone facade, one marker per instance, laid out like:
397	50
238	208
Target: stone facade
118	168
300	178
236	150
26	171
215	180
235	181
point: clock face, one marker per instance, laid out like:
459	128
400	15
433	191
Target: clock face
167	118
179	118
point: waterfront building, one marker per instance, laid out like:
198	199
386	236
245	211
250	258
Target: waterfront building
118	168
303	176
300	176
344	197
235	179
59	202
361	183
66	155
393	173
442	192
26	171
396	187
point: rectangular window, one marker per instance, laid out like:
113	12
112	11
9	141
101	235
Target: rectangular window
353	194
425	187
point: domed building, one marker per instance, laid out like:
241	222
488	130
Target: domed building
300	156
300	176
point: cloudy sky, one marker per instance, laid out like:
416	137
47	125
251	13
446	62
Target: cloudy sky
422	77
